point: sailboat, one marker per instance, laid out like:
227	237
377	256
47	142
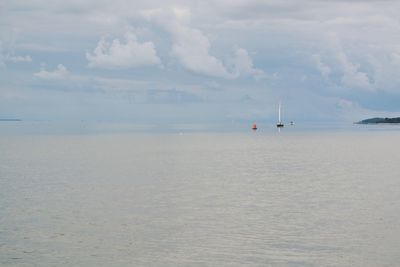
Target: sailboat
280	123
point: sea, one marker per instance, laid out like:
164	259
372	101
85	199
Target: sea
192	195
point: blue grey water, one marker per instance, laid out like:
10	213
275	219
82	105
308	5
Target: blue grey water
327	198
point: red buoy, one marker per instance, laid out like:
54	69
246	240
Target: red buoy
254	127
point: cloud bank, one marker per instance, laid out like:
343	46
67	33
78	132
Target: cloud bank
224	51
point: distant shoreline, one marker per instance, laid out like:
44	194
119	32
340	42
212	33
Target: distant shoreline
10	120
380	121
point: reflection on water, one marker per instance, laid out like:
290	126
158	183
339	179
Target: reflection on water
248	199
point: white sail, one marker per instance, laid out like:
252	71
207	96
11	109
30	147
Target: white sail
279	113
279	124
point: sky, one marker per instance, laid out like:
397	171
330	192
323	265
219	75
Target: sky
199	61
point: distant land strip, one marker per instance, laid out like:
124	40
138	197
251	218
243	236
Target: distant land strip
10	120
379	120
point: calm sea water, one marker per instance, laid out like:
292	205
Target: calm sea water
200	199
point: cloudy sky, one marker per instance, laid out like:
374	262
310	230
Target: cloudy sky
199	61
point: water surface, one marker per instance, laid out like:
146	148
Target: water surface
200	199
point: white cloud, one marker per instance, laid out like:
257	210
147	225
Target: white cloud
242	64
191	47
123	55
352	77
10	57
324	69
59	73
16	59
